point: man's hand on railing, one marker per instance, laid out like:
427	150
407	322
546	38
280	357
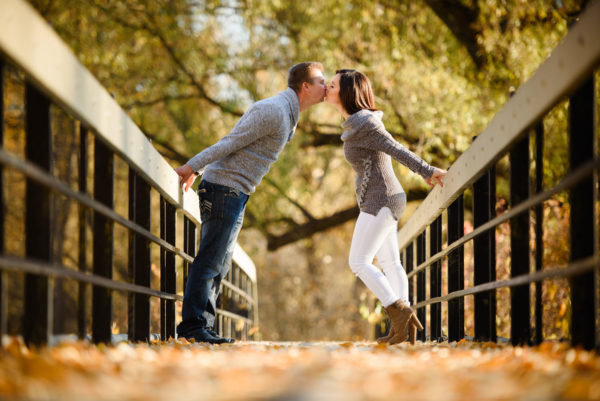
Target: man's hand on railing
186	176
436	178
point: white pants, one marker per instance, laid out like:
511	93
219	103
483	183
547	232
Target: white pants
378	236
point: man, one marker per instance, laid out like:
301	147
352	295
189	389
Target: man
231	169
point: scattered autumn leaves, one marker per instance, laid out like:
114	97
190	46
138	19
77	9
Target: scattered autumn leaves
178	370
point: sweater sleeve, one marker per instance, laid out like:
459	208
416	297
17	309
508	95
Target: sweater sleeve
384	142
258	121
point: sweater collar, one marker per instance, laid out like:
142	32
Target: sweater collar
356	121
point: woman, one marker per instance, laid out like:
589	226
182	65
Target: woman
369	148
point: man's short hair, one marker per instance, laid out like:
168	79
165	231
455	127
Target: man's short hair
300	73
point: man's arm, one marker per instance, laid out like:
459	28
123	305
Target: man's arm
258	121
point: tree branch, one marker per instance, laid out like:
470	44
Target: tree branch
293	202
171	52
461	20
310	228
148	103
320	139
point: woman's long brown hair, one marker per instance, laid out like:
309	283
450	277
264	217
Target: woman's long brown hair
355	91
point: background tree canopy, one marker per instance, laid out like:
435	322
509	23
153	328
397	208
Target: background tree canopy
186	70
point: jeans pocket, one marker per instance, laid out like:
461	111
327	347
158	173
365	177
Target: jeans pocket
211	205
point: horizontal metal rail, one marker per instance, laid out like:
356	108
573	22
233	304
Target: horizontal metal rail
34	172
232	315
567	182
238	291
572	60
575	268
39	175
53	270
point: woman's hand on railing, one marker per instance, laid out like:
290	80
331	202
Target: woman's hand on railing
186	176
436	178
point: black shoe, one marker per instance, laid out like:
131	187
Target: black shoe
216	335
203	336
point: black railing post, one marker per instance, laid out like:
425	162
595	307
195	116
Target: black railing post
484	251
435	279
409	268
539	229
520	326
168	273
189	245
3	310
422	283
82	260
102	308
139	254
37	319
581	150
456	270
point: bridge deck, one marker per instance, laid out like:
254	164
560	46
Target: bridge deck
299	371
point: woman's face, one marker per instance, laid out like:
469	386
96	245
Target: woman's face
332	96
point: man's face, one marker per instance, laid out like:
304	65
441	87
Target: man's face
316	86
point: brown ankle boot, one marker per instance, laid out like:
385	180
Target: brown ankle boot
385	339
399	314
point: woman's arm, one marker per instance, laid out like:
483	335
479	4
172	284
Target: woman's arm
383	141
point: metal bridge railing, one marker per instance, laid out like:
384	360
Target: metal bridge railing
55	80
516	132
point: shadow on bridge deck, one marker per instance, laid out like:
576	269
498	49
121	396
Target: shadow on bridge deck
299	371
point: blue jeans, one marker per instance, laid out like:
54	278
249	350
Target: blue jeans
222	211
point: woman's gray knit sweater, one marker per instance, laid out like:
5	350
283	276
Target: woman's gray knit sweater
368	147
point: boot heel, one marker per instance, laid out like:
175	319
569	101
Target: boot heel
412	333
414	320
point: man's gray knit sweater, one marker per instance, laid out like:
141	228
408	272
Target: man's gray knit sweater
368	147
242	158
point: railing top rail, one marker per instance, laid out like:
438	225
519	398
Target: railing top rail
31	43
569	64
242	259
